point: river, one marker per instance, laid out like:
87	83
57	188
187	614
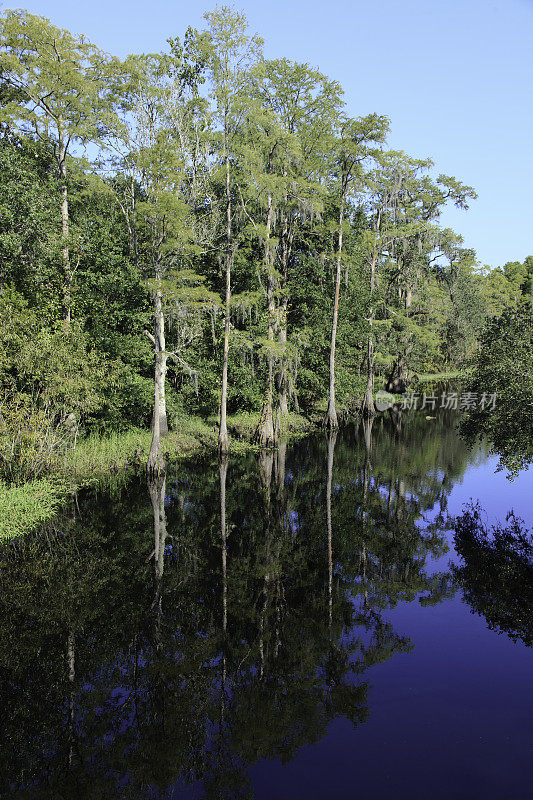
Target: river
281	626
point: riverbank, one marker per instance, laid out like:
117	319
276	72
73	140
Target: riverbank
102	460
97	456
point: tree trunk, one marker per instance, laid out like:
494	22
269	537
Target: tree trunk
135	251
223	438
67	276
266	433
160	363
330	420
368	408
396	382
156	465
283	403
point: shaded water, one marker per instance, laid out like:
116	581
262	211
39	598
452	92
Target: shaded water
284	625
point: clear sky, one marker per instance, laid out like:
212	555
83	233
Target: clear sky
455	77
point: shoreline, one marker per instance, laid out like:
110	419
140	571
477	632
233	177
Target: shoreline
110	459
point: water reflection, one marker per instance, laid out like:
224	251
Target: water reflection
496	574
148	648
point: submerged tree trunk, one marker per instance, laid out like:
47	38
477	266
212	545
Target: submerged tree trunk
330	421
223	438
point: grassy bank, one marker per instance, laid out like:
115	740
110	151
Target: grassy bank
98	455
439	377
22	508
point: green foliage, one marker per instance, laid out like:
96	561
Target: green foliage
28	211
504	366
49	383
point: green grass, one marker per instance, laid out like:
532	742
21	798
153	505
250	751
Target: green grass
436	377
22	508
116	452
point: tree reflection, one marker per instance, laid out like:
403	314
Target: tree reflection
497	573
144	648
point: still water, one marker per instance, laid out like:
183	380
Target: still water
282	626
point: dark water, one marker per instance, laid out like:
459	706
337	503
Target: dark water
316	645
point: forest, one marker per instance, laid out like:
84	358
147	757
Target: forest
204	235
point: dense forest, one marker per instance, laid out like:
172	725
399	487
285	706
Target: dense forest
204	231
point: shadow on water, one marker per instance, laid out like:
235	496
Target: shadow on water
180	632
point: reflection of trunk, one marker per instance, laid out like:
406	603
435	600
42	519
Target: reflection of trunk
266	464
156	489
400	500
331	452
395	413
222	474
67	277
331	421
280	467
367	430
71	651
266	433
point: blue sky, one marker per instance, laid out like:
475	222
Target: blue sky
455	77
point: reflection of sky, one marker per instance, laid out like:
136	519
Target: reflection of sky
497	495
452	720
